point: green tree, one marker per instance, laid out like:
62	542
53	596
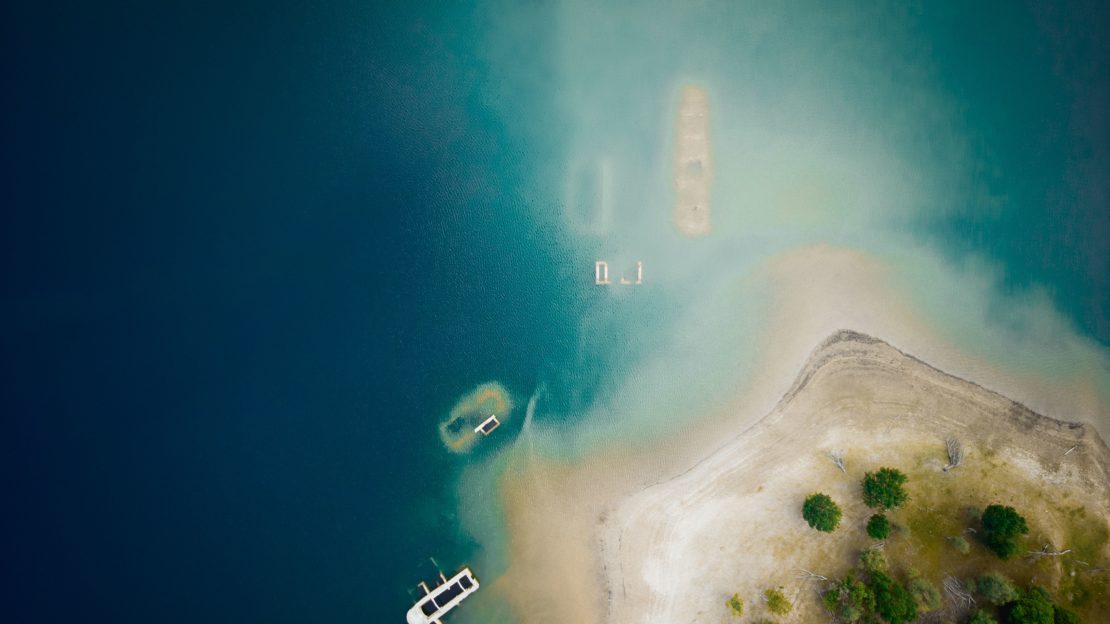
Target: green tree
996	589
1002	526
926	594
821	513
736	605
892	601
1033	607
777	602
878	527
884	489
1060	615
981	617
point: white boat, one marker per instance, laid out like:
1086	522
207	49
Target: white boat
442	598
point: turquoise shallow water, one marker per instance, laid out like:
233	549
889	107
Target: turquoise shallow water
965	149
257	255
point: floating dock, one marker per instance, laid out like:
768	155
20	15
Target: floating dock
488	425
442	598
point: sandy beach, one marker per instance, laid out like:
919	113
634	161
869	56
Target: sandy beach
675	551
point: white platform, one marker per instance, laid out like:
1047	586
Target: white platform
443	598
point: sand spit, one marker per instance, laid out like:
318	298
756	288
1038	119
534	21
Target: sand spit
693	175
672	551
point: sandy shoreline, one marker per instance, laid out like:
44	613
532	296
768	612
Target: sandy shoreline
573	525
666	539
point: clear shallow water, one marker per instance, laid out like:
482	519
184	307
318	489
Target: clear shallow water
257	254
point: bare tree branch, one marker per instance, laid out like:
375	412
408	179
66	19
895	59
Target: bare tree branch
956	589
1045	552
811	576
838	458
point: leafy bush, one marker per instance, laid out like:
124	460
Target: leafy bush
892	601
878	527
1061	615
1001	528
872	560
1033	607
850	599
996	589
926	594
884	488
960	544
736	604
981	617
821	513
777	602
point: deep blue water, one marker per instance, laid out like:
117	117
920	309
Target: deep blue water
252	253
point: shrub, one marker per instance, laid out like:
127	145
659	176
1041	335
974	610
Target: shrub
736	605
1033	607
872	560
1061	615
884	488
981	617
960	544
821	513
878	527
892	601
777	602
926	594
850	599
996	589
1001	528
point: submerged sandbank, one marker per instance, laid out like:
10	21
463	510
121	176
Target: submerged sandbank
457	430
693	173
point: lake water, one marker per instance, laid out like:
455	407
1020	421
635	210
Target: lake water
255	255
